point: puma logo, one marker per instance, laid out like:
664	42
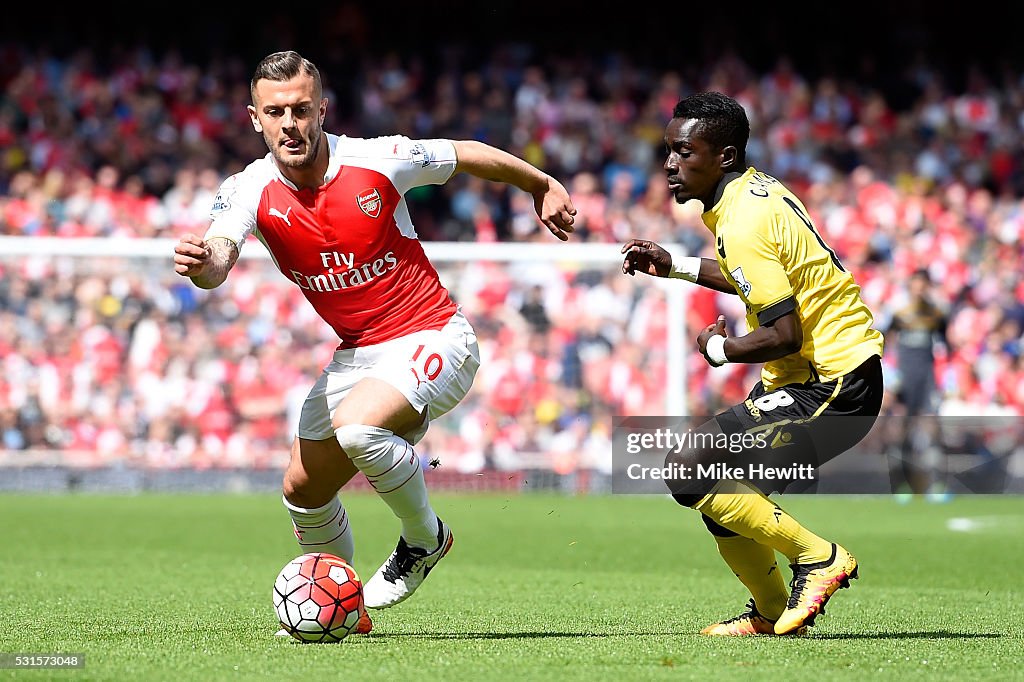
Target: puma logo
282	216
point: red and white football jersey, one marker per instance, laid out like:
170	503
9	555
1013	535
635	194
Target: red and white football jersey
349	244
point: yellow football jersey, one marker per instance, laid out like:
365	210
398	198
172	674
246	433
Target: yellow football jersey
768	248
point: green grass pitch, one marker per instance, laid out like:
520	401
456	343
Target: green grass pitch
536	587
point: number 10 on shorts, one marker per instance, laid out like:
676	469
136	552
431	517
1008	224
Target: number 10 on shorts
430	367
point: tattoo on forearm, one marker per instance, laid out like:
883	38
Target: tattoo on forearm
223	254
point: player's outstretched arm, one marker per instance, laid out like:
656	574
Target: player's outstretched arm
206	263
550	198
649	258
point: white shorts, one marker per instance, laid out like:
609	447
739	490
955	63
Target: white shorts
434	370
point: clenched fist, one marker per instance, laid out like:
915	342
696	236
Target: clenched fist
191	255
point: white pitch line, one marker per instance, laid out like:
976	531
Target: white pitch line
962	524
965	524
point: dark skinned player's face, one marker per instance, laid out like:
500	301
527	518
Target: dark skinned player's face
693	166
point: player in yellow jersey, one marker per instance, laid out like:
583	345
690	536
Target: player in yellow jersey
809	326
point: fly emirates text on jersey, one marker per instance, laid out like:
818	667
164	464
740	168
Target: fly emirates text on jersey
343	273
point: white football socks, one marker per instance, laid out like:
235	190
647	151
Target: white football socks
393	469
324	529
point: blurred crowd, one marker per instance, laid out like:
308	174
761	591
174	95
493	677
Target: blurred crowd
124	361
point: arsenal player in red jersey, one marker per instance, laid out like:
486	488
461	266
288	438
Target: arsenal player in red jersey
331	211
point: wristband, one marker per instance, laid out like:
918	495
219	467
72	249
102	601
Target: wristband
687	268
715	350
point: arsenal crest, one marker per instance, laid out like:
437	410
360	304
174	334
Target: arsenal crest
369	202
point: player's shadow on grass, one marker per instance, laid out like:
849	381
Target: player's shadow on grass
516	635
935	634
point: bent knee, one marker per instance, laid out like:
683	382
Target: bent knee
352	437
357	438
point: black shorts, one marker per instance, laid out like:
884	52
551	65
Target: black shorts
822	419
917	390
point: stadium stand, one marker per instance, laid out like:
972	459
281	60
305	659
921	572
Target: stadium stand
122	363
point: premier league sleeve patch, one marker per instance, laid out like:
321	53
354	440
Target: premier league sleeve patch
221	203
421	155
741	281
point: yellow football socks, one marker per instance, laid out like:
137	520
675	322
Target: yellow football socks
748	512
755	565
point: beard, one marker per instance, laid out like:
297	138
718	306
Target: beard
292	160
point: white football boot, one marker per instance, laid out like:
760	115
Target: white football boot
405	571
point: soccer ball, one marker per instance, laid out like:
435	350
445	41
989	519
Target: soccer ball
318	598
